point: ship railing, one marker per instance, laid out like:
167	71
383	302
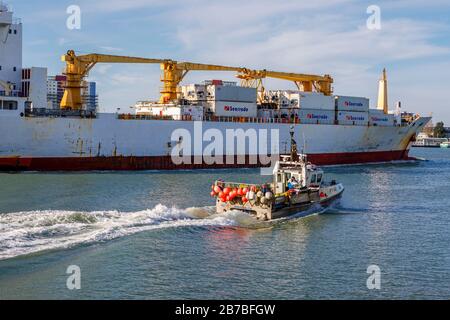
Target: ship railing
212	118
238	184
10	94
58	113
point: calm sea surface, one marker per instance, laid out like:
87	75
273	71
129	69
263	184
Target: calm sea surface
153	235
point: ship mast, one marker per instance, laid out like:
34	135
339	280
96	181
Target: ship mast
294	153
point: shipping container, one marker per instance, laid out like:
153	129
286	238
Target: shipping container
194	112
379	118
194	92
316	116
346	103
352	118
231	93
234	109
310	100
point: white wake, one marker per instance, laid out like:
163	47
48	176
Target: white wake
29	232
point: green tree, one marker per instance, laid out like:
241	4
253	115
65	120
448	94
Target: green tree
439	131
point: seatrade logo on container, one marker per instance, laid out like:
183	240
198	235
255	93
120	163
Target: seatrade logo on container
353	118
235	109
237	146
353	104
316	116
376	119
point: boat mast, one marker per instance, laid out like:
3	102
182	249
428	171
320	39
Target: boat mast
294	153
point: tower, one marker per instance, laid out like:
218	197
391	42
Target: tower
382	93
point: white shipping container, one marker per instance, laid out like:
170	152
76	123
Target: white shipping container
231	93
346	103
353	117
234	109
282	98
311	100
195	112
194	92
316	116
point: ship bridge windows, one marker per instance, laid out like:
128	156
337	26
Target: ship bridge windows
8	105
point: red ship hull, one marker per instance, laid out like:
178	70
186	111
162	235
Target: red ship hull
124	163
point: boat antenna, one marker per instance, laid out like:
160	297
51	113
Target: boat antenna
304	143
294	153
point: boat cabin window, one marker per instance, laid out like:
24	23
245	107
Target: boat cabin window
313	179
319	178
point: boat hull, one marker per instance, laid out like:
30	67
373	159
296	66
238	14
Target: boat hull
299	210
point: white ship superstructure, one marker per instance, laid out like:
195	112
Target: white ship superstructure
10	61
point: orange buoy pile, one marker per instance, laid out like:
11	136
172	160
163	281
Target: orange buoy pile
242	194
226	194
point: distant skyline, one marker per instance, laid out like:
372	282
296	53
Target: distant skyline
319	37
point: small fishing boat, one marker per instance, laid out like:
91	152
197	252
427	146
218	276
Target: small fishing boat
298	188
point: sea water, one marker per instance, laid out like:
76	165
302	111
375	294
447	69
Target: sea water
155	235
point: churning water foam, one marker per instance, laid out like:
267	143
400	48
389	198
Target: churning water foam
29	232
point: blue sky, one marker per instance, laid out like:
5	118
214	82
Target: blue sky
318	37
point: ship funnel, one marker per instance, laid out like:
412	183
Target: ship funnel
382	93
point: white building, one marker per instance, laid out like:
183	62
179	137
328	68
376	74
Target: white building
52	93
55	92
34	87
90	98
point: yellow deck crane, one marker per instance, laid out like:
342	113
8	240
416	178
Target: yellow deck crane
304	82
77	67
174	72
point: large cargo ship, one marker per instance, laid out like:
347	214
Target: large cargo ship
110	142
333	129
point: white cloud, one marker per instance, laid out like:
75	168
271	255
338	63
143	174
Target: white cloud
102	69
102	6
